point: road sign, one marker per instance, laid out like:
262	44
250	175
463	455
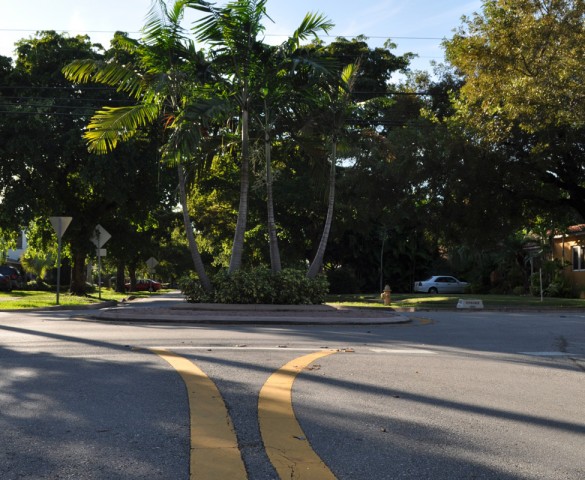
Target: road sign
100	236
151	263
60	224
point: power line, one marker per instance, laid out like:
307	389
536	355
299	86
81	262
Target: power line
378	37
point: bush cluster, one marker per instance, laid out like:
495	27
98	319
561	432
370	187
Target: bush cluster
259	285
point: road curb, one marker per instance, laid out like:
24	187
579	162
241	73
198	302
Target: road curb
250	315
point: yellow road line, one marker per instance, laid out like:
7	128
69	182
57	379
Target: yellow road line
214	447
286	445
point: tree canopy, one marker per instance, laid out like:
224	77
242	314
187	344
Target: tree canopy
278	146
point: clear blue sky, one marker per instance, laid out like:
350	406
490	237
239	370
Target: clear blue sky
414	25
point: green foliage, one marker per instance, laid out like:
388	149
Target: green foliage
36	262
515	71
258	286
523	95
554	282
518	291
38	286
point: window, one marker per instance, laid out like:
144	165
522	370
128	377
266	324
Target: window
578	257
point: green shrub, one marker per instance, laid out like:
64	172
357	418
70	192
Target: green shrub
554	283
38	285
258	285
192	289
519	290
560	288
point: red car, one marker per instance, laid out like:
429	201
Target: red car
146	285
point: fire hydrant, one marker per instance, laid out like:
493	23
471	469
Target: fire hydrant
385	295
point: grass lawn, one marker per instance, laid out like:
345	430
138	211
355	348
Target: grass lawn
425	300
21	299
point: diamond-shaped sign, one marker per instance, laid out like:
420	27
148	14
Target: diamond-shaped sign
100	236
151	263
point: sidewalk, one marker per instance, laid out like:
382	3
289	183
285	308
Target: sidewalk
251	314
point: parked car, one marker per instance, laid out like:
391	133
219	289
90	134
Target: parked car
441	284
13	274
5	283
146	285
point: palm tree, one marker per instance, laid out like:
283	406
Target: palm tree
232	32
279	66
164	81
337	103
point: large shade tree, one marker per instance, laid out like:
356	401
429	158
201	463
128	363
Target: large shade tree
524	93
54	175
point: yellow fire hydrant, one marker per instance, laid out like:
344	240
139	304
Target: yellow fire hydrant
385	295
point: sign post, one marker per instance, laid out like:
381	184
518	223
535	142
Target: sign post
60	224
100	237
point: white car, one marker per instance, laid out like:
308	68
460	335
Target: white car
440	284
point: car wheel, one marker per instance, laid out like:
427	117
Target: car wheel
433	290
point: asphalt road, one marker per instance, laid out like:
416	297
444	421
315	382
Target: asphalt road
451	395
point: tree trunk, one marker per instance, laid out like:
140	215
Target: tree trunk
78	277
132	275
120	277
238	246
275	264
194	249
317	262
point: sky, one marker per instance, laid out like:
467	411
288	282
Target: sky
416	26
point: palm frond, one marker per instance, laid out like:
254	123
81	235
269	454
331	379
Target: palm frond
182	143
117	124
312	24
233	24
348	73
160	21
123	77
349	76
202	110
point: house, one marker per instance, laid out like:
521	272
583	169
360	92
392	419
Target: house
569	247
13	256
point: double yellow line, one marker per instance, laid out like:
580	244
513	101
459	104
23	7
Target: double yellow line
214	446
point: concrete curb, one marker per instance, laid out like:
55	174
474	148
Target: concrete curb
250	315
